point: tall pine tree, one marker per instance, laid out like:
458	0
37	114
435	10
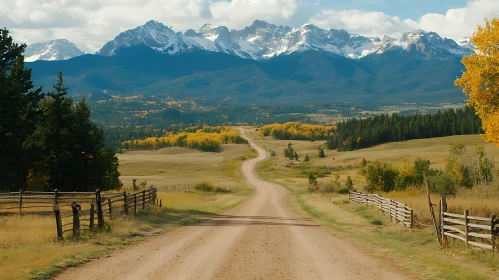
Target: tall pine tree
18	114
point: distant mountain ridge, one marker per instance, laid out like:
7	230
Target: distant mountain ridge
299	78
263	40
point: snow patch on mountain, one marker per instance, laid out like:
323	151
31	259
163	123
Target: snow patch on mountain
263	40
60	49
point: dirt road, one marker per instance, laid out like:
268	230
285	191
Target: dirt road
263	238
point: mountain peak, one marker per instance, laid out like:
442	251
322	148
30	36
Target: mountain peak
59	49
260	24
263	40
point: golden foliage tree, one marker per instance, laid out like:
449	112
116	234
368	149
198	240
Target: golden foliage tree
481	79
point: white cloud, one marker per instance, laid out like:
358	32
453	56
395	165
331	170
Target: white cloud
91	23
364	23
455	23
240	13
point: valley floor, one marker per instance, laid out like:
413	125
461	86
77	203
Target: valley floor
263	238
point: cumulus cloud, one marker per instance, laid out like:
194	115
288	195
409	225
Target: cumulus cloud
455	23
240	13
375	24
91	23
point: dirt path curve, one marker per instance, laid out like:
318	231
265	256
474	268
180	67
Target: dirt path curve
263	238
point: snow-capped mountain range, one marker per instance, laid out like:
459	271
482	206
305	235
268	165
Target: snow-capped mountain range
263	40
60	49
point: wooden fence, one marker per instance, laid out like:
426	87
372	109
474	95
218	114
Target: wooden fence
475	231
398	212
178	187
77	211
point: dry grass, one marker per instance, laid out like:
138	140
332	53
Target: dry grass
28	245
415	251
481	201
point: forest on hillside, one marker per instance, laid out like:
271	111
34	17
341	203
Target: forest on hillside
356	133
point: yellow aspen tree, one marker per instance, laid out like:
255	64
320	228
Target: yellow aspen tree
480	81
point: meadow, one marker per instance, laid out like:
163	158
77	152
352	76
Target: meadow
414	250
28	245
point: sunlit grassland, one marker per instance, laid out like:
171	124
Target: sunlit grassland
28	245
414	250
481	201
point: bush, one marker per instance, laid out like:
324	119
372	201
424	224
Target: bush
442	184
344	190
207	186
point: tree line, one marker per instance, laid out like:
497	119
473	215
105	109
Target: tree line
207	139
46	140
296	131
354	134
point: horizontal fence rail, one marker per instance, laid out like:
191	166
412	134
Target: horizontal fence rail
77	211
398	212
475	231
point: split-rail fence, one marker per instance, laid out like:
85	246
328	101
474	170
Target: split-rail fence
475	231
77	211
397	211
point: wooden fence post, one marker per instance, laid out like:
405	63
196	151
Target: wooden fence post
110	209
396	212
160	203
135	203
466	214
390	210
100	214
20	202
412	218
493	233
443	209
150	195
76	219
92	214
143	199
57	212
125	202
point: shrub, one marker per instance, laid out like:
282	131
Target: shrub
442	184
205	186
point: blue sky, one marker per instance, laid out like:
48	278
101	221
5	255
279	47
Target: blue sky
400	8
92	23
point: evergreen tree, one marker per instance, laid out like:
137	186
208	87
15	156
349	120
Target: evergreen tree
307	158
321	153
349	182
18	114
74	157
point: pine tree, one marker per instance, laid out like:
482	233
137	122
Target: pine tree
321	153
74	156
349	182
18	114
307	158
